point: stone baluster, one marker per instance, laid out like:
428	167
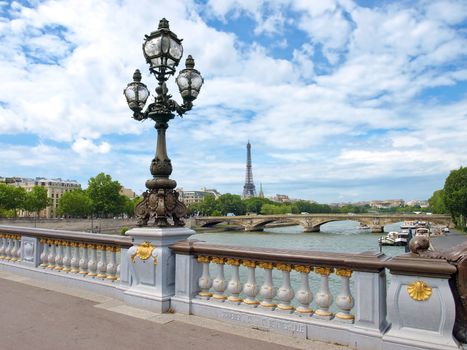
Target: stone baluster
59	256
344	300
304	295
2	246
102	264
18	251
250	289
118	250
66	257
13	248
234	286
112	265
219	284
74	263
324	297
92	263
83	261
205	281
7	247
52	253
285	293
267	290
45	253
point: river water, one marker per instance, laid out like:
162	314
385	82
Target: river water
338	236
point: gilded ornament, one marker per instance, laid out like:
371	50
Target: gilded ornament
203	259
91	246
303	268
143	251
343	272
249	263
233	262
284	267
324	271
109	248
99	247
419	291
217	260
82	245
265	265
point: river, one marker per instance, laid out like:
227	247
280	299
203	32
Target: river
337	236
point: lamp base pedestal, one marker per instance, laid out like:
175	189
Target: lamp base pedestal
161	205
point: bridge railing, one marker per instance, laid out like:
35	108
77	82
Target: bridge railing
80	255
334	297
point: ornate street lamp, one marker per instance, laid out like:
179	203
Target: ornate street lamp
163	51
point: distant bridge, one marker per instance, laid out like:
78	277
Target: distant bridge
313	222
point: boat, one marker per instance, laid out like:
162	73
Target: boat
363	227
389	239
394	238
446	230
422	231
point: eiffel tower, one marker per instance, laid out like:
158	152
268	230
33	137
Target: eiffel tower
249	187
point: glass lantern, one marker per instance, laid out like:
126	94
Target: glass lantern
189	81
163	50
136	93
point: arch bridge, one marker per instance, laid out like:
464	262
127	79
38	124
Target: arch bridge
313	222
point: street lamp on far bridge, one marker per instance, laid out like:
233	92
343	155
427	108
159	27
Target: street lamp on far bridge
163	51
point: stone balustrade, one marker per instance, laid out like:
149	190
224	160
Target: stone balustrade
84	255
283	298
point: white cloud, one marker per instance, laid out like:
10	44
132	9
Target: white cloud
360	116
86	146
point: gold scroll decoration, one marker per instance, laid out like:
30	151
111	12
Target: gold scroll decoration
144	252
419	291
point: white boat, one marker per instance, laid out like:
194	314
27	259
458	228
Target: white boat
446	229
394	238
363	227
389	239
422	231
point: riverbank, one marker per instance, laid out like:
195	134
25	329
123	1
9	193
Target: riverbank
448	240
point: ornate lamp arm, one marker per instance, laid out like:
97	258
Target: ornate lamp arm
180	109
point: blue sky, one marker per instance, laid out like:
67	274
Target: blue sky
342	100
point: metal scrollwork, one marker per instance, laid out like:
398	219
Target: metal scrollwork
144	251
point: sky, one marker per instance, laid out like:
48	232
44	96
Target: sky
341	100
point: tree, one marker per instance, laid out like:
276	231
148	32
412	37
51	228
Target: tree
436	202
206	206
455	195
75	203
254	204
105	195
12	198
36	200
230	203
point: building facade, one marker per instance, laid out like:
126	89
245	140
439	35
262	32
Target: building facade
193	197
55	190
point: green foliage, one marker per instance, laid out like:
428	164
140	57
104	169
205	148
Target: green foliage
36	199
123	229
254	204
436	202
75	203
276	209
11	199
455	195
230	203
105	195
